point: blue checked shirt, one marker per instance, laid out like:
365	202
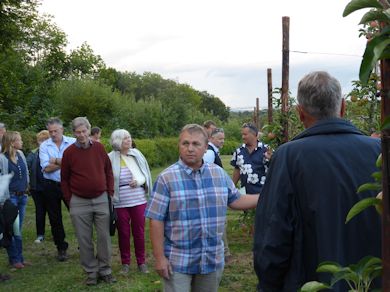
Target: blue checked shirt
193	206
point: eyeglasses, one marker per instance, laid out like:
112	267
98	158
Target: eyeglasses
250	126
217	130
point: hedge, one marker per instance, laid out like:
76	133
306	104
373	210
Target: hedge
158	151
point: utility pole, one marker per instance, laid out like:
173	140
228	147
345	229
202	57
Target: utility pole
285	75
269	82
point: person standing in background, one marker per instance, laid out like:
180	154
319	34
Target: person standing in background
96	134
209	126
50	155
12	160
216	140
250	161
87	181
132	186
36	186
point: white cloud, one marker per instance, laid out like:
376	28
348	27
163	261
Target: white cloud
223	47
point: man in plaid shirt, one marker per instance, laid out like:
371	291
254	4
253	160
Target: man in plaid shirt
188	211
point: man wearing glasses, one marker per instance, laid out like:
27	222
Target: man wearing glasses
216	140
250	161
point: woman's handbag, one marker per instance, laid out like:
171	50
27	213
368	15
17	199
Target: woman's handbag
113	216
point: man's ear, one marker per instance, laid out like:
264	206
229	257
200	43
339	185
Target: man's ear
301	113
342	108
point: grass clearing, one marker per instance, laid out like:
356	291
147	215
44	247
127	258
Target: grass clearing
47	274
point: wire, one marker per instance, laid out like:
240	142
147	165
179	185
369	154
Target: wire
321	53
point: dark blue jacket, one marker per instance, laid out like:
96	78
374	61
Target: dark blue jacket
300	218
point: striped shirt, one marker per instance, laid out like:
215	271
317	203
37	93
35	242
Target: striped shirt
193	206
128	196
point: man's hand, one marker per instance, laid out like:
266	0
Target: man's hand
268	153
163	268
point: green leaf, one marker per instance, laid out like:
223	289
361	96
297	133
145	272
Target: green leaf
377	176
345	274
369	187
328	267
386	123
372	54
378	162
387	12
370	267
314	286
374	15
360	4
360	206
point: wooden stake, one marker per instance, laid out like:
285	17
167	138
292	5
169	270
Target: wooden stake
269	81
385	112
285	74
257	113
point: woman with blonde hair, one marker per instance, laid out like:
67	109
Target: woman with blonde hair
132	183
12	160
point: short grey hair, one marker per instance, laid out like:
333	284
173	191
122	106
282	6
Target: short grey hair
54	121
2	125
195	128
216	131
117	138
80	121
320	95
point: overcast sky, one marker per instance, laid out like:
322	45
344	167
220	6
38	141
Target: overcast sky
221	46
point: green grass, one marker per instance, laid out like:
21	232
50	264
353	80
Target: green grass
47	274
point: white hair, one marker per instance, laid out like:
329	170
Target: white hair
117	138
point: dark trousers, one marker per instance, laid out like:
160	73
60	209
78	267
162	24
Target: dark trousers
52	197
40	211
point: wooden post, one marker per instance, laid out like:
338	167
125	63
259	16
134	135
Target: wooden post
269	81
385	112
254	116
257	113
285	74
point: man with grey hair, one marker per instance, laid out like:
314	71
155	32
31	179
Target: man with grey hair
50	155
311	185
87	181
188	209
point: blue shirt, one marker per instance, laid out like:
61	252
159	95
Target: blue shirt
18	182
253	167
193	206
49	149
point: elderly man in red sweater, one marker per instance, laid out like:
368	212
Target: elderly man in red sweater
87	181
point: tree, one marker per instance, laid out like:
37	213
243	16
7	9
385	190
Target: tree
84	63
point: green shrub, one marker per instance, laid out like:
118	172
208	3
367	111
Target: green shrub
229	146
29	141
167	150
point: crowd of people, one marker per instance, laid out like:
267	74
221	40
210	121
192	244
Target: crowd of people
301	193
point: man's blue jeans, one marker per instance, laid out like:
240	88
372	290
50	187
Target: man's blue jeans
15	250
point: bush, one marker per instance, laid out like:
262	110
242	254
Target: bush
229	146
29	141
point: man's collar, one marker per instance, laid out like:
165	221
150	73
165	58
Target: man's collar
190	170
215	147
78	145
